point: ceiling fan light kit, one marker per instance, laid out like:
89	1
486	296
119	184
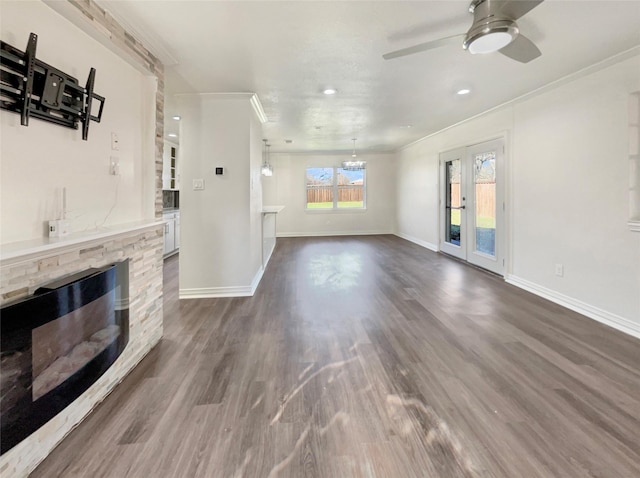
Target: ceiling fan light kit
494	29
491	36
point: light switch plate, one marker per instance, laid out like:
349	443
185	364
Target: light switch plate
198	184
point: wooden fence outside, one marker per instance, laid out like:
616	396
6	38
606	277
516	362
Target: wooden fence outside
485	198
317	194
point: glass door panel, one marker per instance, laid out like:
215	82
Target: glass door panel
484	172
484	192
452	208
453	200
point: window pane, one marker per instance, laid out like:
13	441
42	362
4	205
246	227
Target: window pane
485	186
350	188
454	196
319	188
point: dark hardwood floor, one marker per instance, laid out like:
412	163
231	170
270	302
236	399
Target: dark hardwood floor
368	357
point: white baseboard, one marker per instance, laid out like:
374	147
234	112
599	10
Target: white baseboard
332	233
258	277
612	320
264	266
219	292
215	292
420	242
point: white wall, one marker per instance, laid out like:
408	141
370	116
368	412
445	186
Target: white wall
255	194
570	191
38	160
287	188
220	225
567	197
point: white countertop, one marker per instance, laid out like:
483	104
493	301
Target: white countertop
13	250
272	209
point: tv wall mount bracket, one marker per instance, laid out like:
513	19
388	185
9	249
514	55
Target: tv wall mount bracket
32	88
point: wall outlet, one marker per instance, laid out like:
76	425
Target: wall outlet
559	270
59	228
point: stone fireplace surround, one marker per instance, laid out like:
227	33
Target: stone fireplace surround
26	266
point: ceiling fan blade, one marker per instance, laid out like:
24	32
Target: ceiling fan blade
515	9
430	45
521	49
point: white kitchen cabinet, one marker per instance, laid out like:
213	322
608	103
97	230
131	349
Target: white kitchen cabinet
171	232
170	175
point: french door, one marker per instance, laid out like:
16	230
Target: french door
472	204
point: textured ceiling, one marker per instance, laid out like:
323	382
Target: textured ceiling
288	52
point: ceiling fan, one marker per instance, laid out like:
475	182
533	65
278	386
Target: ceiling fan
494	28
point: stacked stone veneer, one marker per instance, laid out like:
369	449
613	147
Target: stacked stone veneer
21	276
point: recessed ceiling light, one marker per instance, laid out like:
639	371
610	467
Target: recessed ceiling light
172	135
330	91
177	118
409	125
464	91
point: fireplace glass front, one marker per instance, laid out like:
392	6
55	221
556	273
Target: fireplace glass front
57	343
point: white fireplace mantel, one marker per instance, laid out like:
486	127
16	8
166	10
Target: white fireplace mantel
28	250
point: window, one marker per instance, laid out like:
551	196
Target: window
335	188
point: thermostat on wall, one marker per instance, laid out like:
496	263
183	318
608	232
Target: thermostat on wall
219	171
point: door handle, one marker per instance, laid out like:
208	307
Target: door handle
451	207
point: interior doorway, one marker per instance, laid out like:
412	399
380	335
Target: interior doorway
472	204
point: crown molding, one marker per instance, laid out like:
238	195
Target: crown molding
257	107
253	98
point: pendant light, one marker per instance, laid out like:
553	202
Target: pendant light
266	169
354	164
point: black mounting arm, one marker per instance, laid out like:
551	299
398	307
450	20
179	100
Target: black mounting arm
32	88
